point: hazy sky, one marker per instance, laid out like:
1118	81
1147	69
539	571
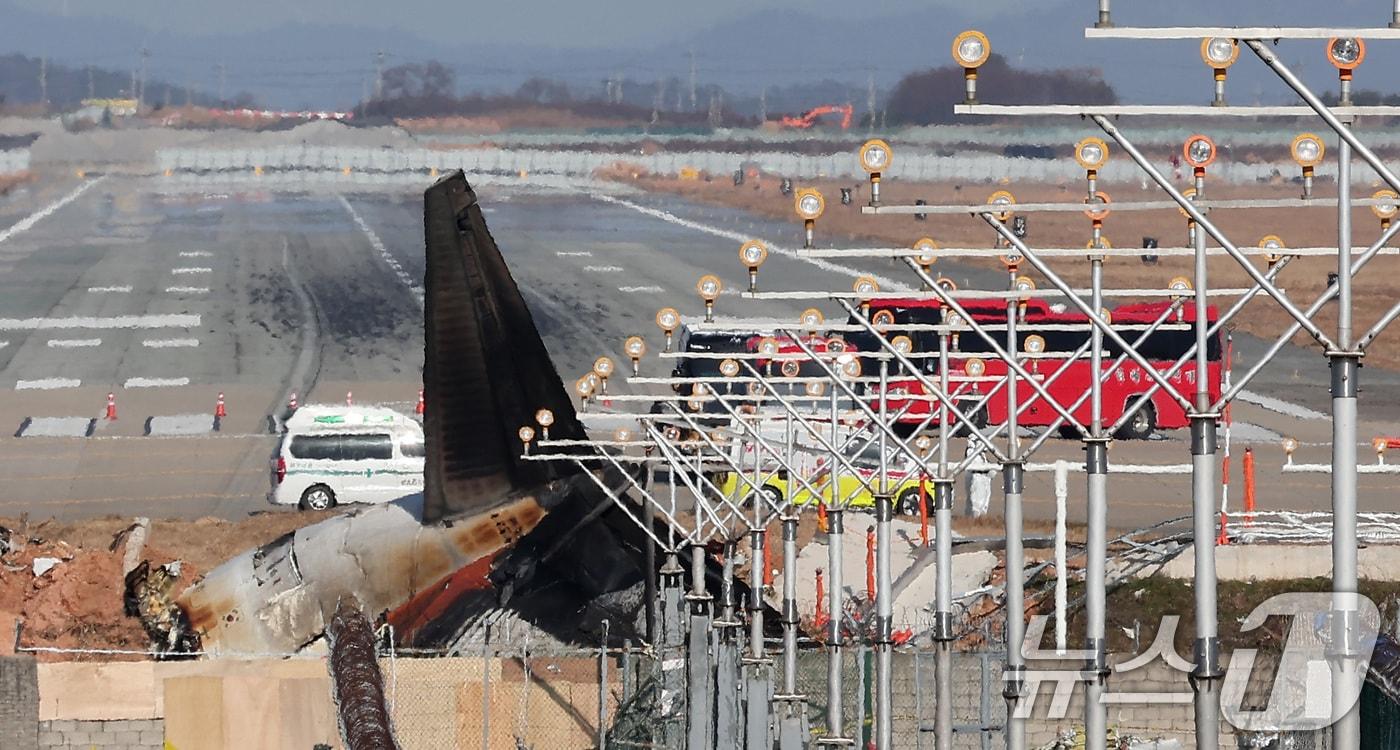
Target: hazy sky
571	23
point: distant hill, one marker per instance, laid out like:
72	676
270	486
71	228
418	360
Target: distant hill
333	65
67	86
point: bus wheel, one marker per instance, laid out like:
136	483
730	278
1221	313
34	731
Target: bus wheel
774	495
1142	425
908	502
317	497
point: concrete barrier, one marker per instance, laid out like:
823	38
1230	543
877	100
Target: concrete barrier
57	427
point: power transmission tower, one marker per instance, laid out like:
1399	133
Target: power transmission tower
379	74
763	105
692	79
870	100
44	83
223	80
141	84
92	84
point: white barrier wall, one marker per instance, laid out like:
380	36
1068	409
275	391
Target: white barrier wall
14	161
925	167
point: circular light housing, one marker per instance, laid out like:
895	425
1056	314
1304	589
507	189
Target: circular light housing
1290	445
1346	53
1034	344
768	346
812	317
849	367
1012	259
815	388
583	387
635	346
865	285
622	435
1272	242
975	367
1098	206
790	368
882	319
925	251
1026	286
875	156
1379	444
544	417
1101	244
1188	194
1091	153
971	49
729	368
809	204
946	284
923	443
902	344
1219	52
1180	284
836	345
708	287
1308	150
1199	151
753	253
1387	209
1002	198
667	319
603	367
526	433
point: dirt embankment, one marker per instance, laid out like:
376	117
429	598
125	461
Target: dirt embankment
1304	279
75	599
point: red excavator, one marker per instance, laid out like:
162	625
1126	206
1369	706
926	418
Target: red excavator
809	118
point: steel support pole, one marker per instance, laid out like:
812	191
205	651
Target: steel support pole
759	684
672	656
1206	674
1105	15
1013	681
943	570
727	731
1096	545
791	732
700	703
1345	365
884	607
835	716
649	556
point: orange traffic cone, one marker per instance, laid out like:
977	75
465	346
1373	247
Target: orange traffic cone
219	411
419	408
111	407
349	398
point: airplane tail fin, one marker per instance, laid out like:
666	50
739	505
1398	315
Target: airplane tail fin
485	368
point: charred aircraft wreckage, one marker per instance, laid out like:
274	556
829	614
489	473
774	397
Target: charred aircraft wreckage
490	531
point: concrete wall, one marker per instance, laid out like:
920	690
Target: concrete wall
120	734
19	702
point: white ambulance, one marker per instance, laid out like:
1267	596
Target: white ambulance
329	455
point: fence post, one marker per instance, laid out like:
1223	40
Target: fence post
603	689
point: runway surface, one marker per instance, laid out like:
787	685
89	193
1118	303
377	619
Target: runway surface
167	297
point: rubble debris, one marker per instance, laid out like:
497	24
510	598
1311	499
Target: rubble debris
42	565
135	538
147	597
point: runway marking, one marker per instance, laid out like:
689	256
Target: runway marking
574	253
603	269
47	384
169	343
73	343
191	269
28	222
109	289
635	289
196	254
1279	405
384	253
885	283
187	290
178	320
155	382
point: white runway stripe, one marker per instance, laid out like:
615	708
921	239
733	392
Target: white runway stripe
384	253
110	289
169	343
155	382
886	284
73	343
196	254
178	320
603	269
634	289
187	290
191	269
1279	405
574	253
47	384
28	222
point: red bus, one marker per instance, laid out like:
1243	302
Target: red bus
1162	349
